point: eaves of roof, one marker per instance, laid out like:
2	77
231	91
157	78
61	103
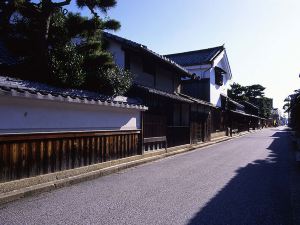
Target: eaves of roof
197	57
250	104
232	101
149	52
244	114
57	94
197	101
174	96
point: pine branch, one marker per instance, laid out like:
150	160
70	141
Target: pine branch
61	4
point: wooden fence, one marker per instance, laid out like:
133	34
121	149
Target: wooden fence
178	135
27	155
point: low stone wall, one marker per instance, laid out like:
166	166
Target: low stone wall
218	134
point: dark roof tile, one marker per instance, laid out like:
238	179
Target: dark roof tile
147	51
173	96
198	57
33	89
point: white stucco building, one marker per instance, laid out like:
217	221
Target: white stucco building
212	69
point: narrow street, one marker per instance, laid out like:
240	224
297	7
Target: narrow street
239	182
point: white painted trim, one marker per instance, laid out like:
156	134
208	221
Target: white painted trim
206	66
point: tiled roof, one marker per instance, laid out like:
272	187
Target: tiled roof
250	104
232	101
174	96
144	49
244	114
5	57
29	89
196	100
198	57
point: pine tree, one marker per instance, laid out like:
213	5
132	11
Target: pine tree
255	95
58	46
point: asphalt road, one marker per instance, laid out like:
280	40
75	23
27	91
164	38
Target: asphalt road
238	182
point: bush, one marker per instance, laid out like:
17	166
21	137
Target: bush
112	81
66	65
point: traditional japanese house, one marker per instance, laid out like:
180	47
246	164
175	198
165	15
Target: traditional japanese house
212	69
253	110
241	116
294	112
172	118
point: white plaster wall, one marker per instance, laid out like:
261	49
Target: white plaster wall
216	91
22	114
136	64
164	78
222	62
207	71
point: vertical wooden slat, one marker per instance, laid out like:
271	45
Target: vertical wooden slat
1	163
122	146
119	147
94	147
51	156
111	151
90	146
14	161
22	171
114	146
87	150
102	144
42	157
58	155
63	153
34	160
107	149
4	160
126	146
72	148
82	152
129	145
98	147
27	158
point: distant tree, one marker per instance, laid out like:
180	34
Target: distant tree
287	103
237	92
57	46
253	94
265	106
254	91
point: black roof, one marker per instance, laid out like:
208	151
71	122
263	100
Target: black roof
147	51
249	104
198	57
174	96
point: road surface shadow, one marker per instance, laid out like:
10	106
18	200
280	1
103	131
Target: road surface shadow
258	195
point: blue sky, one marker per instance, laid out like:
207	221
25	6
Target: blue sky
262	38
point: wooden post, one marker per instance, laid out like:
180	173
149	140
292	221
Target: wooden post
141	136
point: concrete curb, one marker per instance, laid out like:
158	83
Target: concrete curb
35	189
